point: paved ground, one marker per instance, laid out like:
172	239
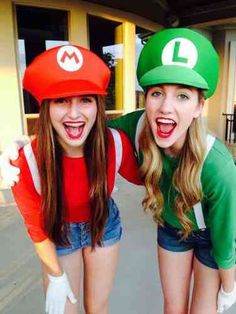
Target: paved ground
137	287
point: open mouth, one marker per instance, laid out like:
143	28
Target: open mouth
165	127
74	130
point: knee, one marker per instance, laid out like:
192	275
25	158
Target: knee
173	308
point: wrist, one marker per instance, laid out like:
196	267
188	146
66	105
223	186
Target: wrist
55	271
229	289
59	278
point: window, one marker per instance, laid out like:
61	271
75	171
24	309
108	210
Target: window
105	39
38	29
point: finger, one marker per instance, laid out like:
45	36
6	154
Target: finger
16	170
8	183
11	170
46	305
59	308
226	307
72	298
11	181
14	178
51	309
56	309
13	152
62	309
8	170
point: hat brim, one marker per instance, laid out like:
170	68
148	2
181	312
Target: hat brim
173	74
70	88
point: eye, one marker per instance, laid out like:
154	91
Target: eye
87	99
156	93
60	100
183	96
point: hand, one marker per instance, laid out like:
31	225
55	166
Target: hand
9	173
58	291
226	300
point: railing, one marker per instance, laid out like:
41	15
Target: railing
230	127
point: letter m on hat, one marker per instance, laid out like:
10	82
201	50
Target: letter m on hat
69	58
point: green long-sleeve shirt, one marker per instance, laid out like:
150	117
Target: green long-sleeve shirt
218	180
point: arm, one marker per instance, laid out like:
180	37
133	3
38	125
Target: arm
227	279
58	289
127	124
221	200
129	167
222	214
29	204
47	254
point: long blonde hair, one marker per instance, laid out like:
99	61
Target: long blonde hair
186	177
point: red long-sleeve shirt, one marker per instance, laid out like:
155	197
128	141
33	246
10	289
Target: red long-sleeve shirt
75	184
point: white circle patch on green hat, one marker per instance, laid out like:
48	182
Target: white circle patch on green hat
180	51
179	56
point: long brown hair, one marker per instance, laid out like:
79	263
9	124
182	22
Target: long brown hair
49	159
186	177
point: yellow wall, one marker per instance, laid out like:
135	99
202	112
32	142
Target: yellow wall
217	101
10	109
129	67
220	102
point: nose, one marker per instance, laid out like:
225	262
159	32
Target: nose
74	108
166	105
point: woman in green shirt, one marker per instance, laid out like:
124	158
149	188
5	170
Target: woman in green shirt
190	177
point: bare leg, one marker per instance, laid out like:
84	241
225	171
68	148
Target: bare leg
99	271
71	264
175	274
205	290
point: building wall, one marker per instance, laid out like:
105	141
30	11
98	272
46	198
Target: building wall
223	99
11	123
12	117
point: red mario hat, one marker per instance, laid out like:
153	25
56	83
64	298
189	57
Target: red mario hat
66	71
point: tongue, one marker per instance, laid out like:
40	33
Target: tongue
165	128
74	131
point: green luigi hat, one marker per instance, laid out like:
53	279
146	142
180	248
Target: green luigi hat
179	56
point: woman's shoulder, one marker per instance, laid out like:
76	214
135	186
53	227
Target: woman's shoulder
219	161
218	154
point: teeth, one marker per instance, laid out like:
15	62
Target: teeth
166	121
74	125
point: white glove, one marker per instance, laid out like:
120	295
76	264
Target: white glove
226	300
58	291
9	173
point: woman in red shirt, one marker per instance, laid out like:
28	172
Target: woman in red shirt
67	175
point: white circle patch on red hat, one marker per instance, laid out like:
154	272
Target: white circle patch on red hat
69	58
180	51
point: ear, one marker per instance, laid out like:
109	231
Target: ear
199	108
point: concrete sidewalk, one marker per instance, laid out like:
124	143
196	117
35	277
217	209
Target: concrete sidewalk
137	286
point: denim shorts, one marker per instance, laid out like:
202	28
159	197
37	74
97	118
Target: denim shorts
80	237
169	238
